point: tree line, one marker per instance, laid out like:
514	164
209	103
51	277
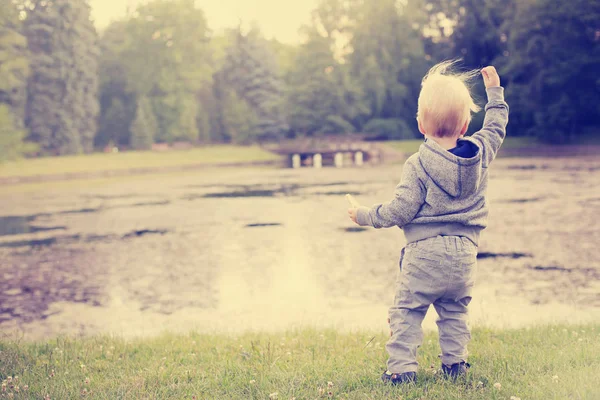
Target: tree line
161	75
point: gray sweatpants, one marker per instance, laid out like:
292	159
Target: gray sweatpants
438	271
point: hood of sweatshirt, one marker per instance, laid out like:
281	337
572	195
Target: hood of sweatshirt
457	175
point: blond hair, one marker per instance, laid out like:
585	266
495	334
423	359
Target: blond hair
445	102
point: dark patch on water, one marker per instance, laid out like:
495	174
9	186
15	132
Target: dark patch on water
550	268
354	229
263	224
483	255
533	199
149	203
296	185
111	197
330	184
527	167
71	239
143	232
285	189
80	211
241	193
16	225
340	193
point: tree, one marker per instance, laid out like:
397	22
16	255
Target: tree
386	58
14	63
552	68
11	136
84	53
164	52
62	103
143	129
323	95
115	125
250	69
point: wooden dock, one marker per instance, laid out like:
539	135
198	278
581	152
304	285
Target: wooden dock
334	150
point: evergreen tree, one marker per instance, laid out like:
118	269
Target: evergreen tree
251	70
11	137
143	129
84	70
62	105
312	88
114	125
14	63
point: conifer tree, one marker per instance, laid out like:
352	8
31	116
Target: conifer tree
143	129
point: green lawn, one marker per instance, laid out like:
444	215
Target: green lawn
130	160
555	362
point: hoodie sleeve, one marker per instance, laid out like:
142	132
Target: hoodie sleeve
408	198
493	131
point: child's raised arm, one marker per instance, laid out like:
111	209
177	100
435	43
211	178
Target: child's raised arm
408	198
493	131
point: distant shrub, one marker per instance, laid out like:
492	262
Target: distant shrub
388	129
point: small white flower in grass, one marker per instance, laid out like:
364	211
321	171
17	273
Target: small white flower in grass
479	384
555	378
10	395
274	395
330	384
289	353
252	382
497	385
4	386
580	340
82	366
9	379
330	393
25	388
515	398
17	389
321	391
87	381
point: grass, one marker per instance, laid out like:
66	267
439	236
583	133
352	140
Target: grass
98	162
555	362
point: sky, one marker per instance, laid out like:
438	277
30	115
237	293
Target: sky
278	19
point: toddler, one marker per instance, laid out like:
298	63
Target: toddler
441	206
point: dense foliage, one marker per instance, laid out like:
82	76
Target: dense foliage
161	75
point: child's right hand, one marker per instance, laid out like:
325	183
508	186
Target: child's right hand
490	77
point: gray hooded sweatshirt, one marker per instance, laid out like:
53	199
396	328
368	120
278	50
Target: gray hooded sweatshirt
442	192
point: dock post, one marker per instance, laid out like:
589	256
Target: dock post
358	158
339	160
296	161
318	161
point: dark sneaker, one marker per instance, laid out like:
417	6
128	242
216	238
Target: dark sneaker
456	370
397	379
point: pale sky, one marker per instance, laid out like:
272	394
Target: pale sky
276	18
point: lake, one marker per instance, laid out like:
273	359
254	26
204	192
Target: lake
236	249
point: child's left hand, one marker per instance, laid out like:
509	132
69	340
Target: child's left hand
352	213
353	210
